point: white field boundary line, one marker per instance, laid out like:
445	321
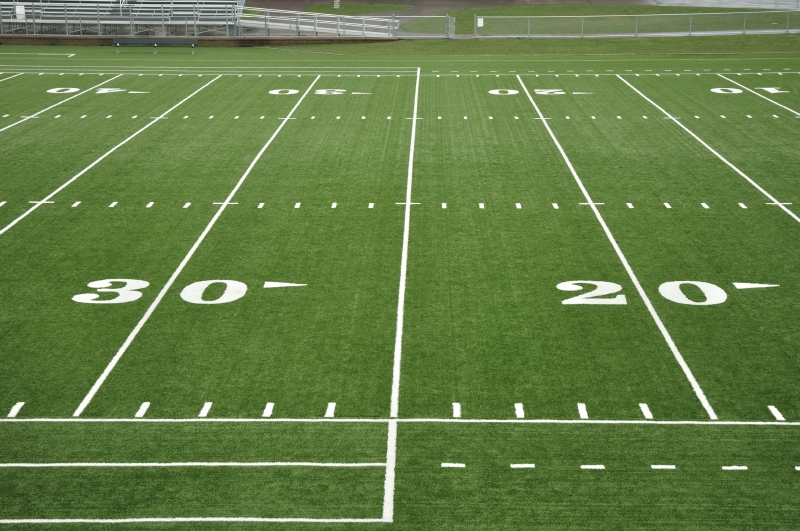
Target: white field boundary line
401	421
391	447
221	519
650	308
28	53
96	162
110	367
748	89
198	519
59	103
212	464
11	77
709	148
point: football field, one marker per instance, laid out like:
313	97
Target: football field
324	294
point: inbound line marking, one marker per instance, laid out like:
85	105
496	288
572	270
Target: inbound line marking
106	154
667	337
59	103
110	367
720	157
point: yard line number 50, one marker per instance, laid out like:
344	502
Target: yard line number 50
672	291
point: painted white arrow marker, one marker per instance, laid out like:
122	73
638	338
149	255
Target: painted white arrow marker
746	285
281	285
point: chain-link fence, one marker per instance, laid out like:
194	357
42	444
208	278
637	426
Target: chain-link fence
425	27
751	22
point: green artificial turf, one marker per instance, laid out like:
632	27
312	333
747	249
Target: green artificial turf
484	326
356	9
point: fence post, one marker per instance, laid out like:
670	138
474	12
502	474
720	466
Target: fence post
266	22
583	19
195	19
475	24
363	27
636	34
337	26
98	19
788	15
690	25
393	33
227	24
297	22
66	24
744	26
529	26
163	29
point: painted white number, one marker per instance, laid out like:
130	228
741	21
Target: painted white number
672	292
330	92
283	92
548	92
63	90
234	290
503	92
601	288
126	293
108	90
773	90
727	90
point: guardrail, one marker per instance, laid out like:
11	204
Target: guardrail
720	23
203	18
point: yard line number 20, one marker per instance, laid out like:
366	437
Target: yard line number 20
672	291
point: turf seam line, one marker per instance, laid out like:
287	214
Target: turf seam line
12	77
106	154
60	102
391	444
664	332
760	95
88	398
720	157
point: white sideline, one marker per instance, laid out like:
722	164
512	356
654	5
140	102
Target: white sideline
407	420
391	451
760	95
191	464
163	292
106	154
720	157
59	103
11	77
190	519
667	337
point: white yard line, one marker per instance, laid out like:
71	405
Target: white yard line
391	450
11	77
59	103
192	464
185	261
720	157
96	162
667	337
761	95
406	420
